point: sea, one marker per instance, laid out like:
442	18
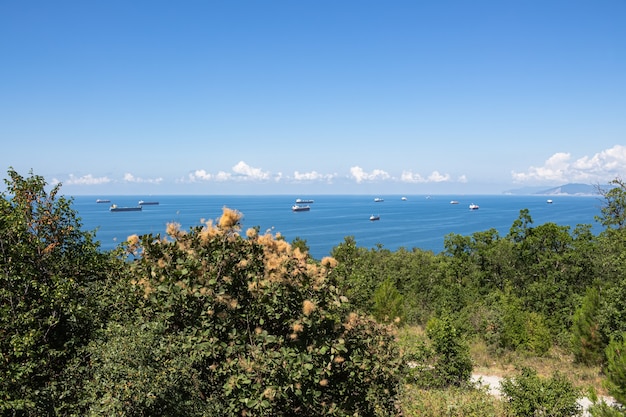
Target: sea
411	221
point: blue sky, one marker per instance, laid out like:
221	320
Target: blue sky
313	97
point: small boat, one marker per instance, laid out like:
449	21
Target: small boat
474	206
303	201
116	208
454	202
549	201
374	217
102	201
148	203
297	207
378	200
403	199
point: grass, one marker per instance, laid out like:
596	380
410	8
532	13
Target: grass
557	360
452	402
478	402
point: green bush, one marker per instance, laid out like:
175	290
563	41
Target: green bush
600	408
388	303
232	325
528	395
520	329
452	364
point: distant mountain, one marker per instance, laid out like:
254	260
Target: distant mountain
567	189
526	190
571	189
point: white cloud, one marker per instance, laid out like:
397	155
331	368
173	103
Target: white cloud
462	179
250	173
240	172
359	175
312	176
199	175
222	176
601	167
84	180
408	176
306	176
435	176
128	177
202	175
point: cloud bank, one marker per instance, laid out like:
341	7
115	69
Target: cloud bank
359	175
84	180
560	168
128	177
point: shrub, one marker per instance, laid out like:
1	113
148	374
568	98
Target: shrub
388	303
232	325
520	329
452	364
528	395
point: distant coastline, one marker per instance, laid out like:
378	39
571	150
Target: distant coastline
572	189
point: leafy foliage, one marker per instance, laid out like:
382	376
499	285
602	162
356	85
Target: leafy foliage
613	213
521	329
517	292
602	409
453	364
212	322
616	368
529	395
48	268
388	303
612	314
587	341
254	325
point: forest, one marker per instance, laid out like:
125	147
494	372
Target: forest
220	321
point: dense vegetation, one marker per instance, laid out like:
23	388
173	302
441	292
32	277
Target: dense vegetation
217	321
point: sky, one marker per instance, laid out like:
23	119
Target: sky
311	97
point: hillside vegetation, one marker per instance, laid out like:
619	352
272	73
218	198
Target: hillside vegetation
216	320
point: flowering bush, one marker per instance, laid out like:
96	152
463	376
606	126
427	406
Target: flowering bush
233	325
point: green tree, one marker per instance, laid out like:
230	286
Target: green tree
587	340
415	274
388	303
521	226
616	368
612	313
613	212
510	326
553	267
544	280
49	269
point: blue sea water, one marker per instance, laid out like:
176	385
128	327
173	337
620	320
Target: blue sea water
417	222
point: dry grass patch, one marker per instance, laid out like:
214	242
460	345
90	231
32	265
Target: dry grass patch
451	402
557	360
